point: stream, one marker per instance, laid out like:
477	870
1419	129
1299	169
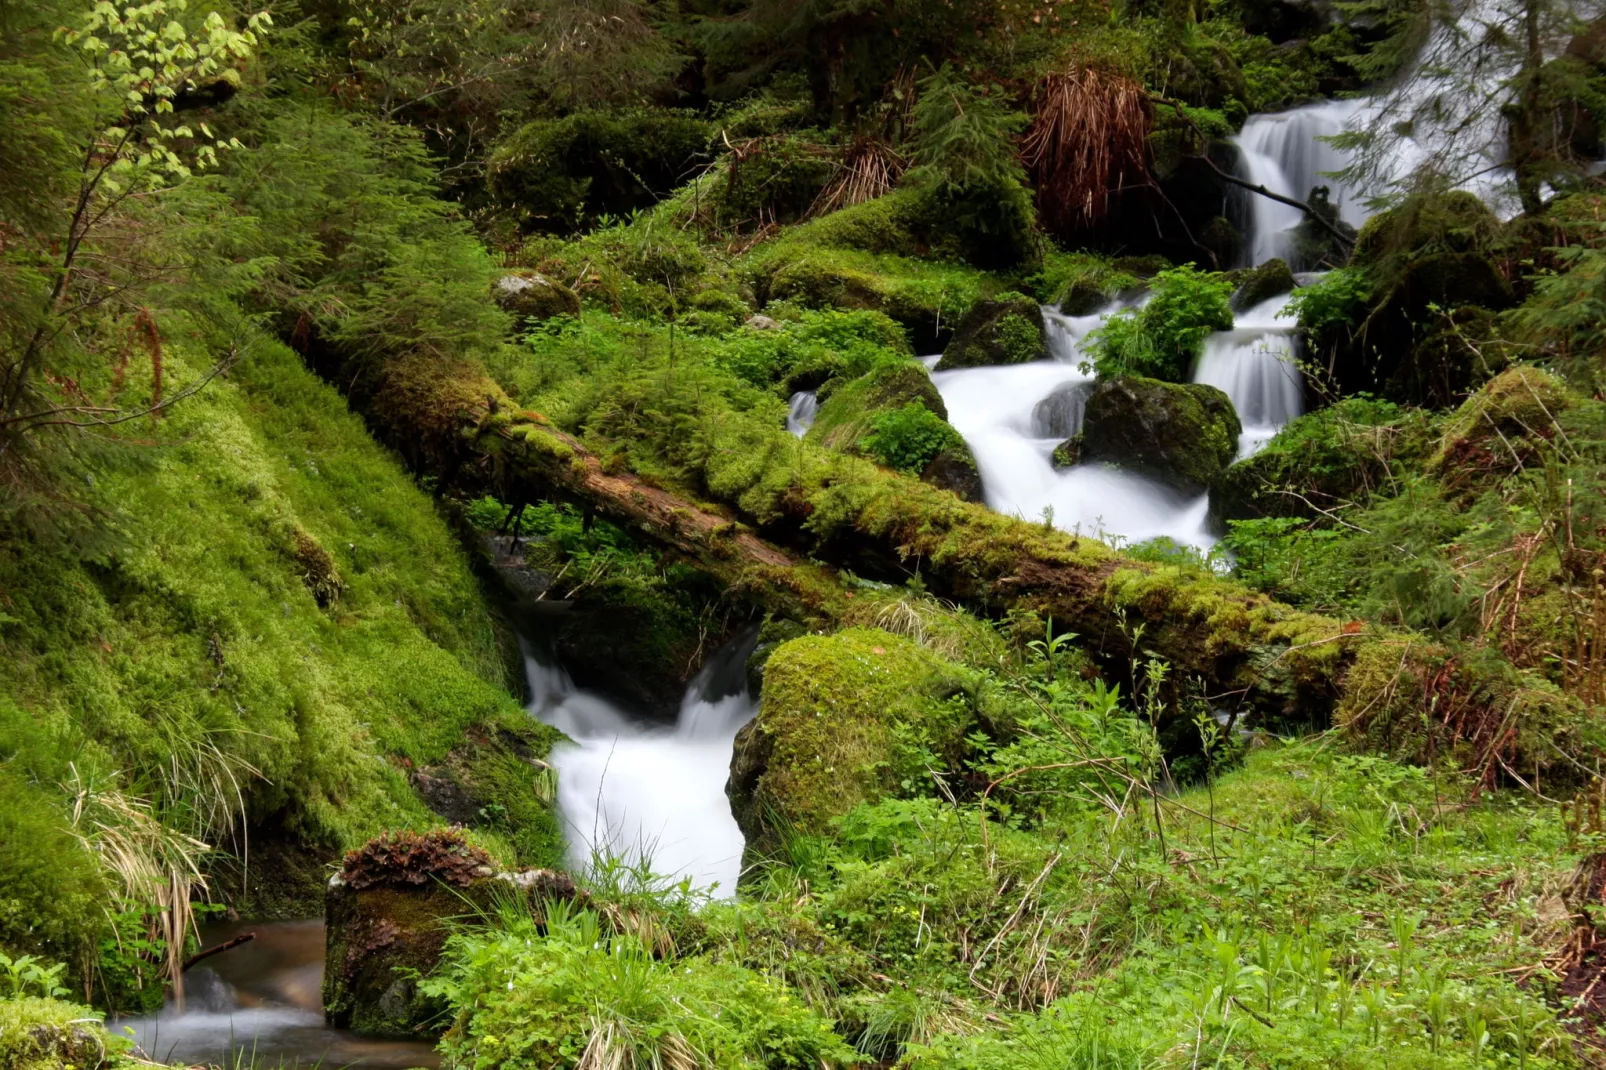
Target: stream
262	1002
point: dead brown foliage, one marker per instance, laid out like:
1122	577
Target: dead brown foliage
411	858
1087	141
868	169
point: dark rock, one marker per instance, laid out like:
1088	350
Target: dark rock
1181	434
388	913
1143	267
531	295
955	470
1083	298
1009	330
1262	284
1060	414
1224	240
1316	248
521	564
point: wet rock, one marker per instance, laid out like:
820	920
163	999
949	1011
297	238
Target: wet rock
955	470
1262	284
762	323
533	296
1083	298
520	563
387	913
1184	435
1009	330
1060	414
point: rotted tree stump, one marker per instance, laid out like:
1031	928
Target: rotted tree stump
386	917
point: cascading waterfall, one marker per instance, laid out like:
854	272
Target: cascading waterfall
642	793
1284	152
1253	365
1014	416
804	404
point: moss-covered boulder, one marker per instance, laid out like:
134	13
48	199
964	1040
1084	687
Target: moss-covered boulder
1494	429
1184	435
1083	298
844	718
530	295
1008	330
47	1034
388	913
954	469
1323	460
1269	280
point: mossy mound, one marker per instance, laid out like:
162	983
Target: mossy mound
530	295
844	718
847	409
1008	330
1262	284
1493	427
1321	461
47	1034
1184	435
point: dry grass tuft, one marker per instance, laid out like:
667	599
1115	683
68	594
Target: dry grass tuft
869	168
1087	141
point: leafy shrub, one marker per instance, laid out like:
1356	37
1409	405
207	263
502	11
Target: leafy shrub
1019	338
26	975
1161	339
1338	299
909	438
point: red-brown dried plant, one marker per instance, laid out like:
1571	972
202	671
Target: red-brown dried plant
1087	141
412	858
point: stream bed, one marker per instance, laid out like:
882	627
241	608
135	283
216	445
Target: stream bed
261	1003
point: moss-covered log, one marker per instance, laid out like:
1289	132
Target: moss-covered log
1247	651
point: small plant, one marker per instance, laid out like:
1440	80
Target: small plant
26	975
909	438
1161	339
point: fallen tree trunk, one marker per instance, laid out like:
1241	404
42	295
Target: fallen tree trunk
1408	695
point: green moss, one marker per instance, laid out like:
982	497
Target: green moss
46	1034
843	720
1183	434
1515	405
1008	330
1271	279
200	638
848	410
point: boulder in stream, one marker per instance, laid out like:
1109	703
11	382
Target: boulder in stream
386	913
1184	435
1008	330
1269	280
1060	414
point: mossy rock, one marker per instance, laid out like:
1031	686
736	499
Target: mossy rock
1009	330
848	409
1083	298
954	469
1262	284
530	295
389	912
1321	460
844	718
48	1034
1184	435
1514	407
1223	239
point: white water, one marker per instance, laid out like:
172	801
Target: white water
801	417
1443	114
1001	413
1253	364
636	792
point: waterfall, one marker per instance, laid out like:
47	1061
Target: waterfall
638	792
1283	152
1253	365
805	403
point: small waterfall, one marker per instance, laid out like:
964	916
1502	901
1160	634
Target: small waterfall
1283	151
636	791
804	405
1253	365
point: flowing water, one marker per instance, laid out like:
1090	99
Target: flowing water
1014	416
1284	152
804	404
263	999
632	790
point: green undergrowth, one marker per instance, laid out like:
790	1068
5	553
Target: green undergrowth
1310	908
280	629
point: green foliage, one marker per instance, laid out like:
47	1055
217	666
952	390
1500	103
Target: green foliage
1019	338
565	992
1338	300
561	175
25	975
1161	339
966	169
909	438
